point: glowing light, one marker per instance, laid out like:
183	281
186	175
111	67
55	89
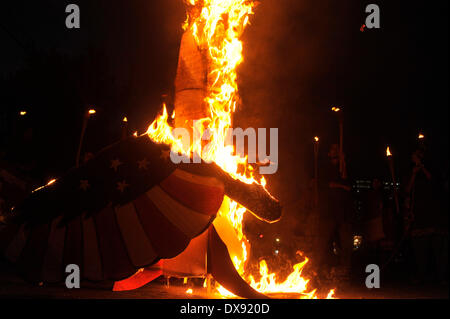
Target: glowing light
23	113
189	291
388	152
316	139
421	136
294	283
92	111
330	294
357	241
42	187
125	119
135	134
335	109
224	293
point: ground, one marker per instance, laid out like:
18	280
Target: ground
12	286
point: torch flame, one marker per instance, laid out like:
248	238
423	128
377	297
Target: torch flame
217	26
335	109
50	182
388	152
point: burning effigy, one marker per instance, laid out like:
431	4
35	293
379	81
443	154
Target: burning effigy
131	209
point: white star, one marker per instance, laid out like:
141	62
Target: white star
115	164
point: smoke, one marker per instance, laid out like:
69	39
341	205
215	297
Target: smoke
289	79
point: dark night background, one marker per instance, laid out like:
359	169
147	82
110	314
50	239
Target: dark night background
301	58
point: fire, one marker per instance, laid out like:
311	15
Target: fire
335	109
388	152
294	283
330	294
50	182
217	26
421	136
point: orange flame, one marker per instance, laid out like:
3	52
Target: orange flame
335	109
388	152
50	182
330	294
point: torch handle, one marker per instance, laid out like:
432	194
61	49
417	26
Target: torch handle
80	144
316	174
391	166
341	148
124	130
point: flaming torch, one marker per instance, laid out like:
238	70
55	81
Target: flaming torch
391	167
338	111
421	139
124	128
87	115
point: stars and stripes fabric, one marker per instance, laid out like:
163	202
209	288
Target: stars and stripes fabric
127	208
205	254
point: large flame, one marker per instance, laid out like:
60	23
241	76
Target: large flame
217	26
